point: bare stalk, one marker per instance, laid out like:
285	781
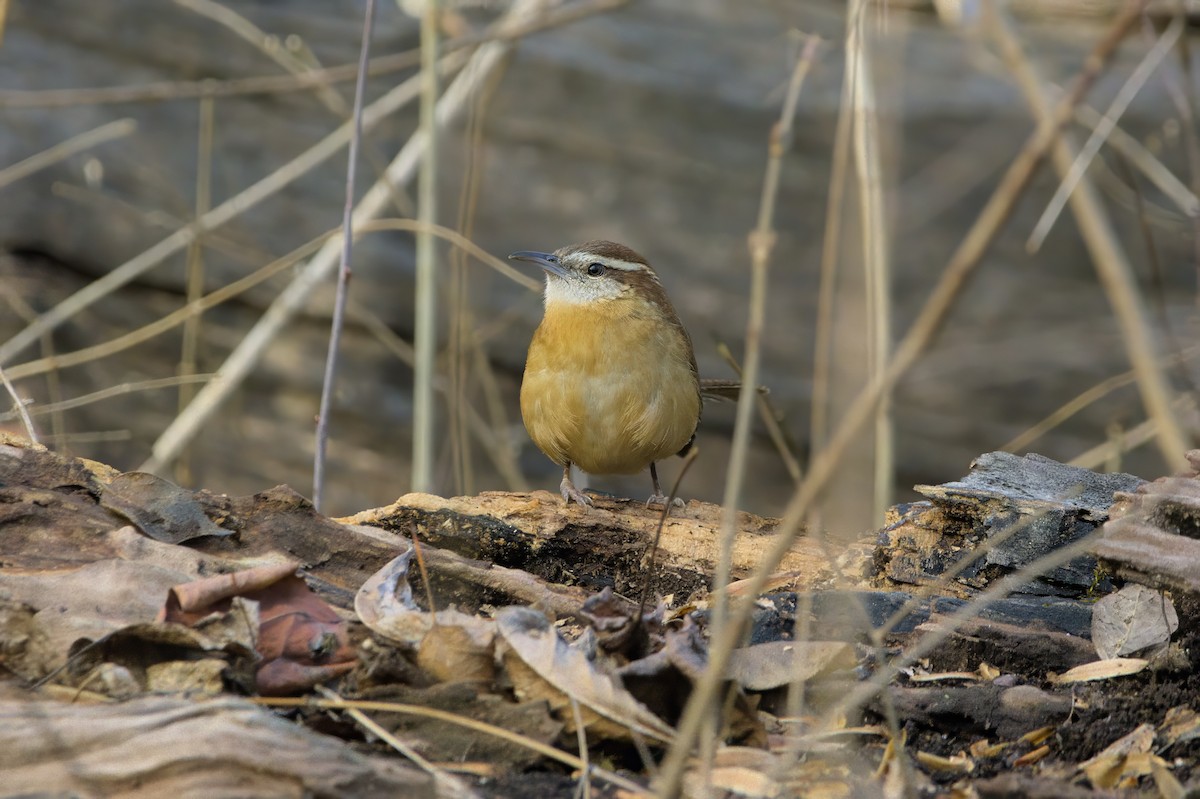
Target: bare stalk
339	305
976	242
65	149
425	304
195	270
238	365
1109	258
19	407
761	243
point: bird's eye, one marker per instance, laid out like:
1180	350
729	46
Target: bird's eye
596	269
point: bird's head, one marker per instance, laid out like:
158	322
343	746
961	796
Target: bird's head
595	271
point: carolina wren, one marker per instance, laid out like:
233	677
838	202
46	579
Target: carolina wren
610	381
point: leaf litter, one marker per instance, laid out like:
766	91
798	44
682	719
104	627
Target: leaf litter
1062	687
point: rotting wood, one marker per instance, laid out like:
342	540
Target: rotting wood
608	543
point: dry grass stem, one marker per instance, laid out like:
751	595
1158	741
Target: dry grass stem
425	294
448	784
108	393
195	268
1102	130
226	293
1112	264
876	244
19	408
532	744
65	149
238	365
1128	440
761	243
1155	171
223	213
1087	398
164	91
995	213
343	275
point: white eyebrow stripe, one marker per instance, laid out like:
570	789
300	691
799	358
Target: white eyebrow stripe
615	263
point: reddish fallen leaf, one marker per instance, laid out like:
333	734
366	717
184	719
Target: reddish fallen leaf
302	641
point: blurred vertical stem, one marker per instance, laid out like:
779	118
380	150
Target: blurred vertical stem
425	331
876	240
975	243
1112	264
195	274
761	243
339	305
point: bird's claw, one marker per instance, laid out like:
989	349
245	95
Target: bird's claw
570	492
661	500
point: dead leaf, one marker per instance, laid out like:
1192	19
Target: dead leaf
1132	619
461	651
765	666
1100	670
302	640
450	645
542	665
937	764
741	770
159	508
1180	724
1123	758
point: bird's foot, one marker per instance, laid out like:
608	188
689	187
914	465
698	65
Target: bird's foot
570	492
661	500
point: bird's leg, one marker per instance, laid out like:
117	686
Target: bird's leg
569	491
658	497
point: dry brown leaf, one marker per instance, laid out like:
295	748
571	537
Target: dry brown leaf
159	508
302	641
450	645
765	666
1100	670
558	673
1168	786
982	749
1180	724
957	764
1132	619
1029	758
461	651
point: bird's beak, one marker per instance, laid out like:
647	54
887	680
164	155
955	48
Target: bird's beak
546	260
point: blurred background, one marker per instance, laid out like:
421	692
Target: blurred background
646	122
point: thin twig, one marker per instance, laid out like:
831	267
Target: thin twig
761	243
1087	398
65	149
19	407
452	785
1101	132
766	411
223	213
1109	258
272	84
108	393
532	744
584	791
425	301
195	268
339	304
244	284
242	360
976	242
652	555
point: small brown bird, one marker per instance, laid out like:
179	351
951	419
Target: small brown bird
610	381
